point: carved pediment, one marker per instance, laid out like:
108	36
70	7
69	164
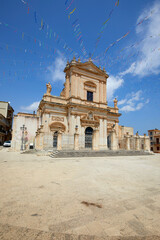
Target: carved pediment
89	66
89	120
57	126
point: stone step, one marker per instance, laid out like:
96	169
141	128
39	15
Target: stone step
85	153
54	153
90	153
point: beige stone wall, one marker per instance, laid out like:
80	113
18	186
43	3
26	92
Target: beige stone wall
31	123
4	108
135	142
123	131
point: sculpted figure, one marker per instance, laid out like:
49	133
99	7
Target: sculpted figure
49	88
115	103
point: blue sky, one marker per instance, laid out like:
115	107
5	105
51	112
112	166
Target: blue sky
37	37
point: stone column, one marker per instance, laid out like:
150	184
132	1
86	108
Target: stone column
100	92
114	144
73	79
104	93
127	141
105	134
59	141
67	86
95	139
137	147
146	143
76	139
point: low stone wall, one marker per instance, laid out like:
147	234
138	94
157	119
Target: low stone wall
135	142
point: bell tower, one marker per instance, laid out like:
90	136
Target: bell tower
85	81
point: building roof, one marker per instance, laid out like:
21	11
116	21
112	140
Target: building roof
156	135
26	114
8	104
1	116
154	130
4	101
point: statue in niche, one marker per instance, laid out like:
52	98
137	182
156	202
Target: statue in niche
49	88
90	116
113	128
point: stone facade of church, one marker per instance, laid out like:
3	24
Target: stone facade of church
79	118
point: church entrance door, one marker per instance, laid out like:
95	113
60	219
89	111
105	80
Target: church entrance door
55	136
88	137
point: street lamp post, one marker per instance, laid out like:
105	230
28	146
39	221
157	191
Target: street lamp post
23	128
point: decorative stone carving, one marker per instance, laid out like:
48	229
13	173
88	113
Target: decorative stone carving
115	103
58	119
110	127
57	126
85	121
73	62
49	88
90	115
91	104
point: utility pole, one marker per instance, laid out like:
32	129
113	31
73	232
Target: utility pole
23	128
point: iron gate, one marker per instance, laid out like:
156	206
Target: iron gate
55	136
109	141
88	137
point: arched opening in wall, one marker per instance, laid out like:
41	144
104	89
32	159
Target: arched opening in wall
88	137
55	137
109	141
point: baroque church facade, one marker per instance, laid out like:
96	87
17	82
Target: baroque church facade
79	118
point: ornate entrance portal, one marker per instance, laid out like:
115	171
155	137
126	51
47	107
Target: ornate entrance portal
55	136
88	137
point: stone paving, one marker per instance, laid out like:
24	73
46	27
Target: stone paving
84	198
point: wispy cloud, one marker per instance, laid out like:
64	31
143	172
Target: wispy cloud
32	107
55	71
113	83
133	102
148	61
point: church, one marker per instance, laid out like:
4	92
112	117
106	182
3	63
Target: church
79	118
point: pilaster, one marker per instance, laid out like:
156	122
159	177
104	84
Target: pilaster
127	137
137	142
59	141
146	143
76	141
114	145
96	139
